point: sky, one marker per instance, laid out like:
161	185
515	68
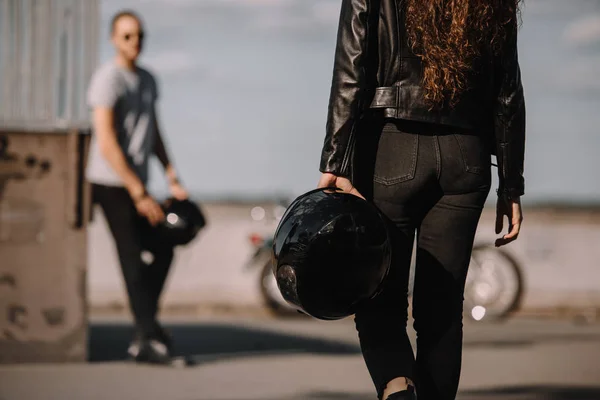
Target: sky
245	83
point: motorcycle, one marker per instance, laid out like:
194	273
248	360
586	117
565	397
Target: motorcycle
493	289
494	284
267	285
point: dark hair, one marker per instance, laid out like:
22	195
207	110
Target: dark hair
121	14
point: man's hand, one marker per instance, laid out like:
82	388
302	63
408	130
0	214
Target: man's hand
149	208
178	191
145	205
330	180
512	210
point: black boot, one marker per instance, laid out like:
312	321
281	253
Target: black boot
408	394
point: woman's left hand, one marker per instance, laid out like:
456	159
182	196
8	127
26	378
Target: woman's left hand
331	180
512	210
178	191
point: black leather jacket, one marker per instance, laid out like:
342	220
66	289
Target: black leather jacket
374	69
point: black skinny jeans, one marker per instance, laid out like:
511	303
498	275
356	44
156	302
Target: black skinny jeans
133	235
432	181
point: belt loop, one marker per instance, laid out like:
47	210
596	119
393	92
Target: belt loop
397	97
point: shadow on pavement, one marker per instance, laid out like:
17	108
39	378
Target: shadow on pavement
210	342
517	393
533	393
529	341
328	396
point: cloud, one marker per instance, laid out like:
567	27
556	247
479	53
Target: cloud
299	17
580	75
326	11
253	2
584	31
243	3
170	62
302	17
548	8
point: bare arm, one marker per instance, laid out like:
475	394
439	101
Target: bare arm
111	151
109	147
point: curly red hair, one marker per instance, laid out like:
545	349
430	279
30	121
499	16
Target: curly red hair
450	34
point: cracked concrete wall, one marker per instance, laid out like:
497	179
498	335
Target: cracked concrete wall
43	261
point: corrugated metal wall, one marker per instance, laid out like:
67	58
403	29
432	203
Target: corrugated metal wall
48	50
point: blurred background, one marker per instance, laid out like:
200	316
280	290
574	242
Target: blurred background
244	89
234	139
223	88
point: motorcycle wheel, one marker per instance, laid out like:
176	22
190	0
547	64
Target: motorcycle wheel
271	295
494	286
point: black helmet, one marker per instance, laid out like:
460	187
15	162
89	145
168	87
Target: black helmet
183	220
331	252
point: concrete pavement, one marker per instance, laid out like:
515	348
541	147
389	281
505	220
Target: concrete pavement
266	359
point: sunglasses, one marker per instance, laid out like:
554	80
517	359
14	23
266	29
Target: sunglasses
129	36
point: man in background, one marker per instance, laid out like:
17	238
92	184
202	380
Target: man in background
126	133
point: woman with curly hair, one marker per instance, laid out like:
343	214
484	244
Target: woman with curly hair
423	93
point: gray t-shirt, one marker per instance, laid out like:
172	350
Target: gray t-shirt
131	95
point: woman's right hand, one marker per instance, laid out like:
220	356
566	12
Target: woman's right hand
331	180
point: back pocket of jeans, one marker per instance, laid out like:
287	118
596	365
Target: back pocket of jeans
396	159
474	153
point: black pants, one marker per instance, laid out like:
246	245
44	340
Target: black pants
133	235
432	182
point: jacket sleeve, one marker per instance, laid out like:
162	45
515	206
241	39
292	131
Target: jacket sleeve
509	119
350	74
